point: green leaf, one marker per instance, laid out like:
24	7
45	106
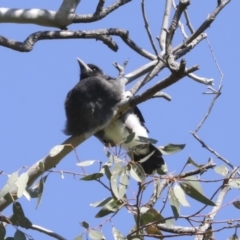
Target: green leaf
56	150
236	204
112	206
134	238
117	235
34	191
195	194
18	217
85	224
2	231
194	182
91	177
10	183
144	209
101	203
105	169
146	140
152	229
17	210
95	235
26	223
129	138
151	216
114	159
175	205
234	183
137	172
171	148
156	190
79	237
114	179
13	219
22	184
40	190
19	235
169	223
180	195
86	163
123	183
222	170
9	238
191	161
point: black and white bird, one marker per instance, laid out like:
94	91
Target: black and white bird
90	105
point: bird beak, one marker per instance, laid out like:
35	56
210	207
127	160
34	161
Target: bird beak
83	65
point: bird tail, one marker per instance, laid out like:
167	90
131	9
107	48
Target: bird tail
154	162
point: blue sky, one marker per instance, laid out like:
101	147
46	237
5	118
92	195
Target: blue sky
34	86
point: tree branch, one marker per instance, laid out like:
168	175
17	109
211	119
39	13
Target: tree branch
165	23
101	34
29	43
99	8
147	27
60	19
221	196
171	31
204	25
99	14
47	232
204	145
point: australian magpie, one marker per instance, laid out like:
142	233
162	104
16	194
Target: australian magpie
90	105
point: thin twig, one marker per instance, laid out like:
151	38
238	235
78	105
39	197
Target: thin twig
216	62
204	25
212	150
147	78
147	27
218	93
99	15
172	29
188	22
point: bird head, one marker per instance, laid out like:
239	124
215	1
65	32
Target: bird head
88	70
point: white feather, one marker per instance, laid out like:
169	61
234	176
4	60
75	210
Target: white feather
118	130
